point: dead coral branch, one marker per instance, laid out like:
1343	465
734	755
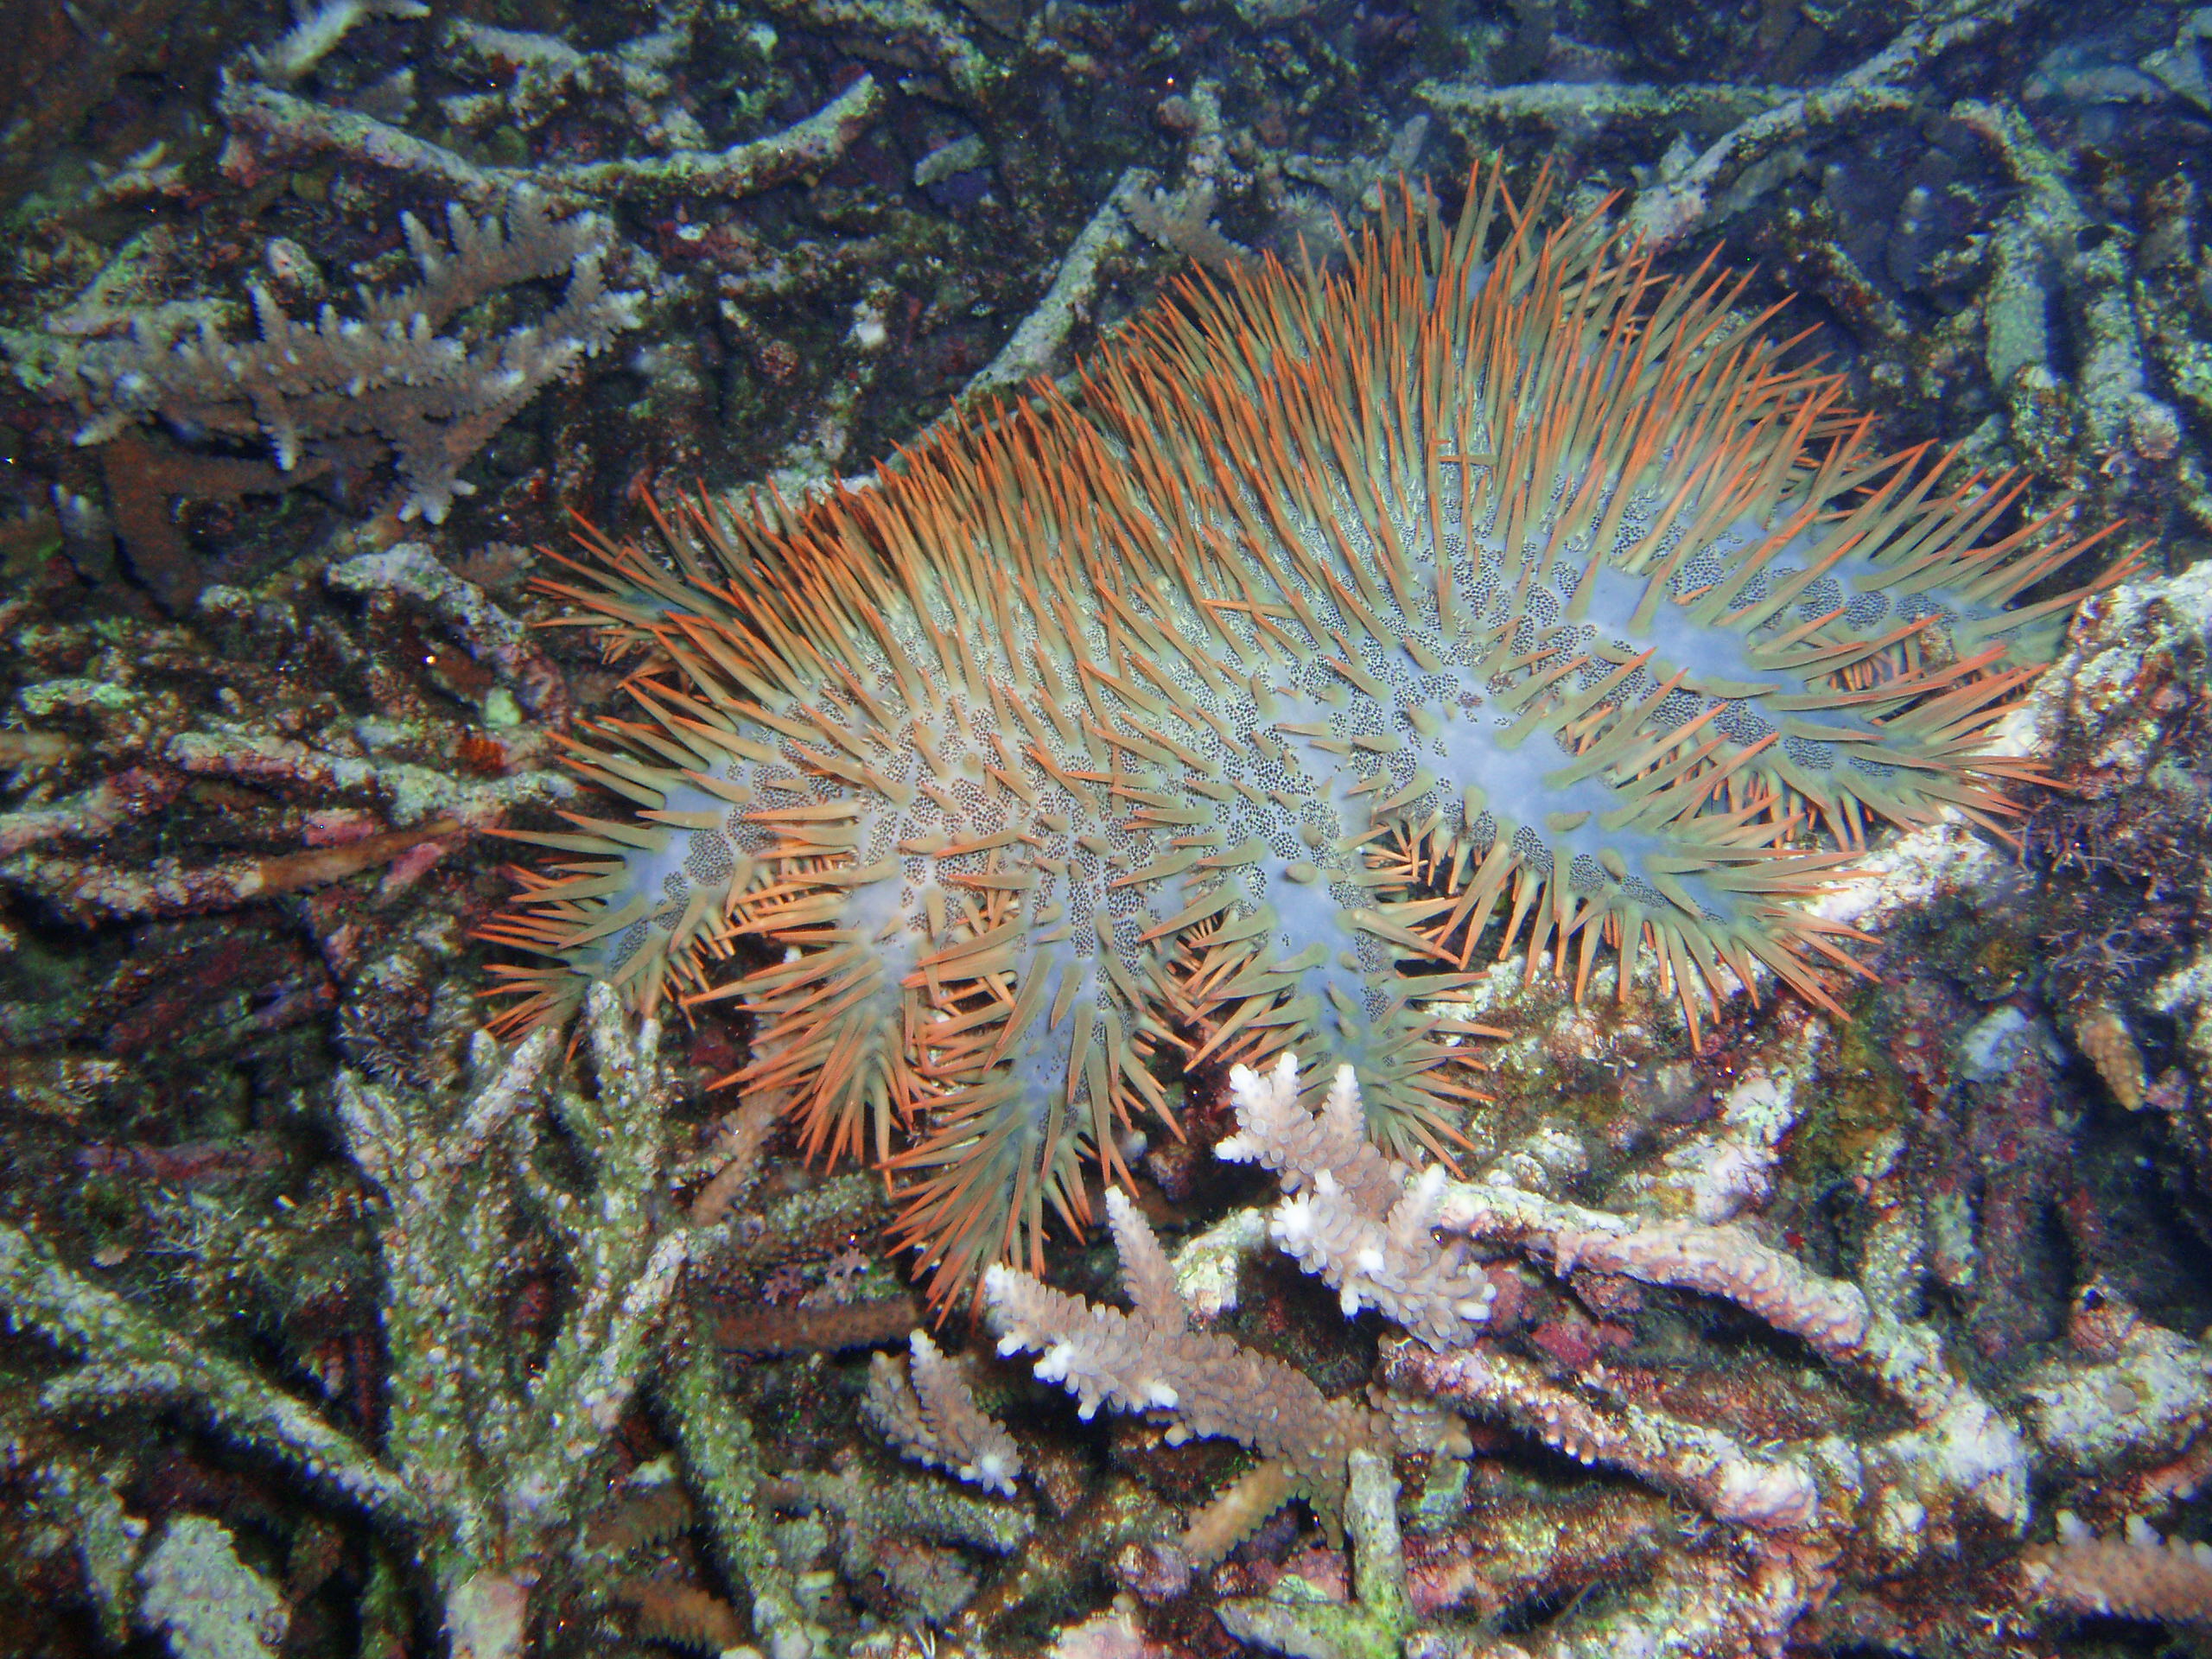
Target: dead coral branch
286	124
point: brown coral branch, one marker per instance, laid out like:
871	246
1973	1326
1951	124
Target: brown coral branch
925	1408
762	1330
93	812
1709	1468
1207	1384
303	386
2143	1576
681	1614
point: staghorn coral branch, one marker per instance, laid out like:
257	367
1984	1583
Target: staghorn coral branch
1148	1275
1881	84
722	1464
1705	1465
1691	1606
1960	1450
289	124
91	813
1208	1384
1359	1220
1378	1621
1275	1131
434	398
1037	344
2142	1576
925	1408
132	1358
1721	1259
317	31
502	1462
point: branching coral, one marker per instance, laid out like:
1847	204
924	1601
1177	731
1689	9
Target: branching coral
487	1450
150	721
1359	1220
2142	1576
925	1409
1151	1359
1805	1514
387	374
267	120
1343	616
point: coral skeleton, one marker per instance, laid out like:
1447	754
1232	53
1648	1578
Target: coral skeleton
1378	1620
309	388
1489	595
278	123
1959	1461
925	1409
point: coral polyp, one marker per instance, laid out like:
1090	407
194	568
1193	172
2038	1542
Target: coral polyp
1492	594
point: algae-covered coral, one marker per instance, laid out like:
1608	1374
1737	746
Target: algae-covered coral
1222	708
